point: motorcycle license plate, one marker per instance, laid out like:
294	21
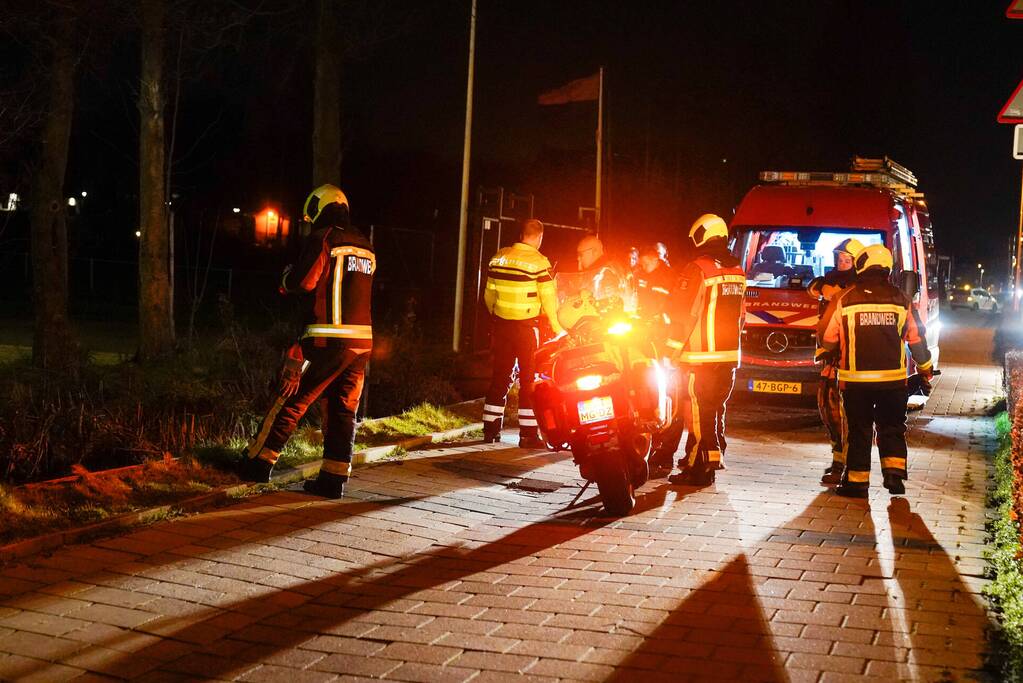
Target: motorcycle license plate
596	409
770	387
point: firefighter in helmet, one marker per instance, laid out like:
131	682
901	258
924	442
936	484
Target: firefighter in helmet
707	311
829	398
335	273
519	289
868	328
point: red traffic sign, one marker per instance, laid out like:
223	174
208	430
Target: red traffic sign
1015	10
1012	111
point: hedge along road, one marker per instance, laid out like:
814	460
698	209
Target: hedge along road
472	563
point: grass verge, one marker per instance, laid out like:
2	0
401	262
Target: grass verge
1004	555
419	420
38	509
92	497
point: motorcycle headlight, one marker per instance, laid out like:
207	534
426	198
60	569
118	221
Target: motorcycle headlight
588	382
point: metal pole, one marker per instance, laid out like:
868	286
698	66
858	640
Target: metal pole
600	145
463	215
1019	249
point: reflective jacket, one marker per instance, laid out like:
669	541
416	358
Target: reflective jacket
520	285
653	291
833	282
708	309
336	267
869	325
825	289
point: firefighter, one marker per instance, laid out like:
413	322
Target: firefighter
707	311
519	288
335	273
869	325
829	397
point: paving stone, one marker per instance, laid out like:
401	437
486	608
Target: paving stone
436	570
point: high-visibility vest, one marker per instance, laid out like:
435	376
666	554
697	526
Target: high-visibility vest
520	285
711	294
871	323
336	266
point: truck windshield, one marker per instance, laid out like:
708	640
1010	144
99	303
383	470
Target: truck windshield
775	256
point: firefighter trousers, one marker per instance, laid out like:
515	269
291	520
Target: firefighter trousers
868	408
704	392
512	341
829	403
333	376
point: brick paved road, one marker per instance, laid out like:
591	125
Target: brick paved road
473	563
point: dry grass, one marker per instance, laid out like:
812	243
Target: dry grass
89	497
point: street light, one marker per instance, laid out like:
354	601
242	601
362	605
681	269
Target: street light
981	267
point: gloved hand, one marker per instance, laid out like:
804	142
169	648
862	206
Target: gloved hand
826	357
291	376
925	380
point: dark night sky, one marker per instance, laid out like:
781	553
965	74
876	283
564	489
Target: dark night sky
795	85
787	85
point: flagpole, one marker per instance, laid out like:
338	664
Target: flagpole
463	215
600	146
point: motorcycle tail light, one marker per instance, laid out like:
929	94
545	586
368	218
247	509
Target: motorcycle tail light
620	328
588	382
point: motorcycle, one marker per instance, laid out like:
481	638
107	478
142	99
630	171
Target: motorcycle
603	395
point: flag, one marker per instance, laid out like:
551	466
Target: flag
579	90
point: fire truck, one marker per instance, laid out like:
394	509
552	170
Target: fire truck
785	231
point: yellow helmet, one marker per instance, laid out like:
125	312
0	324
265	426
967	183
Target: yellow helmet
851	246
575	309
874	256
321	198
708	227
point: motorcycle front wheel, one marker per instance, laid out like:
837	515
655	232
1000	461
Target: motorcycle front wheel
617	491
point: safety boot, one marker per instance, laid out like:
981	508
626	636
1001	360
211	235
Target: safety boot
255	470
848	490
326	485
491	435
894	484
661	463
833	474
531	442
697	476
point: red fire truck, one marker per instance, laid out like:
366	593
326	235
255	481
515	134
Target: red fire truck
785	231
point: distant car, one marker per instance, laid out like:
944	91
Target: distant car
976	299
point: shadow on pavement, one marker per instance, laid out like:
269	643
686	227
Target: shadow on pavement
940	607
680	645
345	596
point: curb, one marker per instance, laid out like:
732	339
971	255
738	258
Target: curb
32	546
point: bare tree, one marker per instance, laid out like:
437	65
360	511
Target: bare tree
54	346
156	317
346	30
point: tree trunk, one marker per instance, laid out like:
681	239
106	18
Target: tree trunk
156	317
53	345
327	97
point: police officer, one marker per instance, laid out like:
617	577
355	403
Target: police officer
707	312
869	326
519	288
335	275
829	397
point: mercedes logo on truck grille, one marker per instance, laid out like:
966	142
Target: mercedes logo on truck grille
777	342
